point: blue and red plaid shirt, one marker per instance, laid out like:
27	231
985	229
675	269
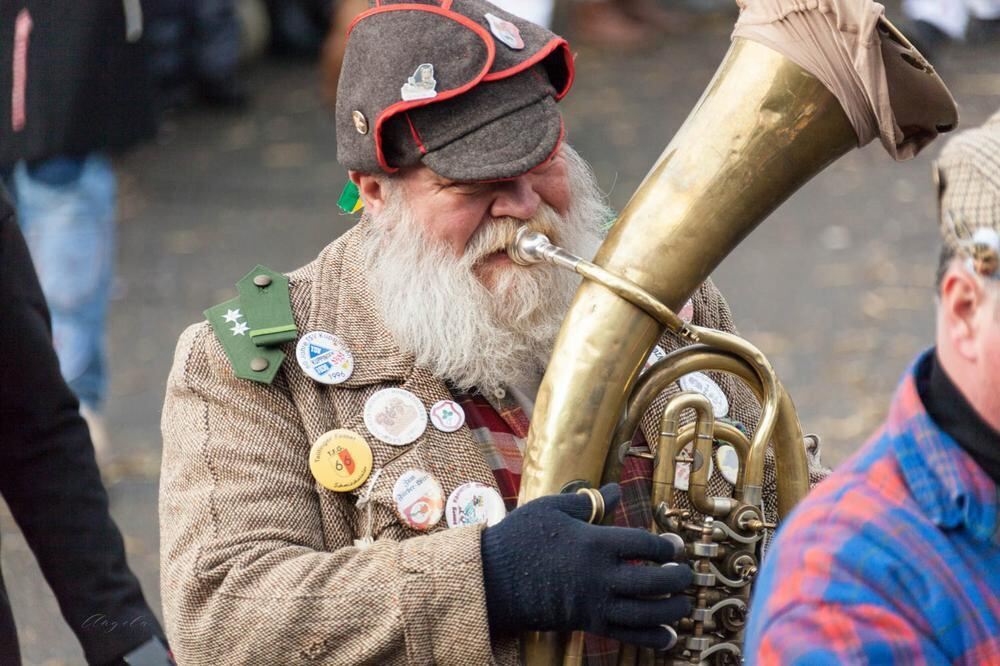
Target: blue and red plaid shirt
894	559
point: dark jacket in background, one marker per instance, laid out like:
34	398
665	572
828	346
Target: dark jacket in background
50	479
87	86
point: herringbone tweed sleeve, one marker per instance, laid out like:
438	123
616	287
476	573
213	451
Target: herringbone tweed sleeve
250	573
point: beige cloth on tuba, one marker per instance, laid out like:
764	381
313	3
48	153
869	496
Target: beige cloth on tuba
886	88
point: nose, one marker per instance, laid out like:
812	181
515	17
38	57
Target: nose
516	198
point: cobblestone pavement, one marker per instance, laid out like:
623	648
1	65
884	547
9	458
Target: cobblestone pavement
836	287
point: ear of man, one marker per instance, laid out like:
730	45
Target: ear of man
964	300
371	188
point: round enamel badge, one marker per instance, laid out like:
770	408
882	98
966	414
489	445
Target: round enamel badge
324	357
419	499
683	471
340	460
395	416
473	503
729	463
699	382
447	415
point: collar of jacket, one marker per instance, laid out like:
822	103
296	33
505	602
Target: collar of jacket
950	487
342	303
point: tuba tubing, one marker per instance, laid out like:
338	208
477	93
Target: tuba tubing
762	128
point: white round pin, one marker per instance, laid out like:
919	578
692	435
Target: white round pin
658	354
324	357
395	416
506	32
419	499
683	470
729	463
447	415
473	503
699	382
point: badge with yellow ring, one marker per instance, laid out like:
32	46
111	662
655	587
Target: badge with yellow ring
341	460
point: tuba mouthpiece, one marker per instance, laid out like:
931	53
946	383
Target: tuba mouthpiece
528	247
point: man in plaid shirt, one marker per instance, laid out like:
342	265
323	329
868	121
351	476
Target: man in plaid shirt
896	557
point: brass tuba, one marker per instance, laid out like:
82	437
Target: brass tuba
763	128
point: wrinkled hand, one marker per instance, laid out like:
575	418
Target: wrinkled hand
545	568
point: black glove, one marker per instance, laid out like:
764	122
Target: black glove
547	569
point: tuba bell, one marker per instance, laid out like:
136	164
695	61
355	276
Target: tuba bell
762	129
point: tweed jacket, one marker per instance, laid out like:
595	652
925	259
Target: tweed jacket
258	561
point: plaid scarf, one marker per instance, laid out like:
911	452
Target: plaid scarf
500	427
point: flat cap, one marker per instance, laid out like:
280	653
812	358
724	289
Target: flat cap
968	179
460	86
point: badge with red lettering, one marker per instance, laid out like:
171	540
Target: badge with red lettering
419	499
473	503
340	460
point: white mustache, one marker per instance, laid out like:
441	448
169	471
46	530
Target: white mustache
496	235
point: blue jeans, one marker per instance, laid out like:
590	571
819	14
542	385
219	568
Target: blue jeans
66	208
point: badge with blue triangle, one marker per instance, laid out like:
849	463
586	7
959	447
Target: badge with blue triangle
324	357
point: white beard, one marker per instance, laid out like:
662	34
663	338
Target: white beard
460	330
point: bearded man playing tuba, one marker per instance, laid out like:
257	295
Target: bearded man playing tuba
343	445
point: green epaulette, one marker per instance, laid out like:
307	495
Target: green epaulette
252	325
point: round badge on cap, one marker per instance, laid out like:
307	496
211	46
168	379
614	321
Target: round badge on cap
506	32
340	460
729	463
699	382
324	357
474	503
395	416
360	122
447	415
658	354
419	499
683	471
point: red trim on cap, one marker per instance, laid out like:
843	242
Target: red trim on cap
404	105
416	135
540	55
445	4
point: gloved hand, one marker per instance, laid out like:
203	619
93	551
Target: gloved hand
545	568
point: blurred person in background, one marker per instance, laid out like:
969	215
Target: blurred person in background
298	27
74	88
195	52
937	22
622	24
895	558
50	480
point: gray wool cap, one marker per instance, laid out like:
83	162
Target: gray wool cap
460	86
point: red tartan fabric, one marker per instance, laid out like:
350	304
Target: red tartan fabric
501	429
